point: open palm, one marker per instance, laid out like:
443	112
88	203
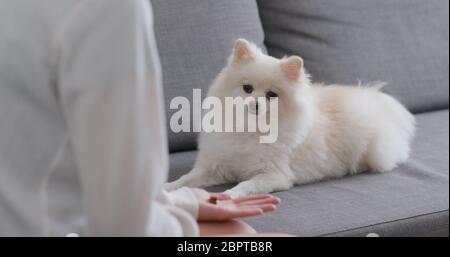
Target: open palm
219	206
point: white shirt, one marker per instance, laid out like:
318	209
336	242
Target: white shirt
82	140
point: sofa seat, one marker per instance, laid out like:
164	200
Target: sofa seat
412	200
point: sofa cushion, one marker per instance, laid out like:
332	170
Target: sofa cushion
402	42
195	38
412	200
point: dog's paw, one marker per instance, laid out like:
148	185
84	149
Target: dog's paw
234	193
171	186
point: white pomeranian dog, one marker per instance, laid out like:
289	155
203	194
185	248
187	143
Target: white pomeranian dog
324	131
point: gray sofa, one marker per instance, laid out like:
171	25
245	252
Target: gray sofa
402	42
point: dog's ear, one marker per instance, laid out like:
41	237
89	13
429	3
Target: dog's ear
292	67
242	51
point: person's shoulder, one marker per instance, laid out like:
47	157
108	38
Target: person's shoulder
109	13
127	6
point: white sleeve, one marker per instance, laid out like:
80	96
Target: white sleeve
109	84
182	198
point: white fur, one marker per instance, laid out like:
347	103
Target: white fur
324	131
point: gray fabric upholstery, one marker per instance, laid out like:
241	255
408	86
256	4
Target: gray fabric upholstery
195	37
412	200
403	42
426	225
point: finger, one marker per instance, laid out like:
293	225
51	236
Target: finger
251	197
267	207
244	212
221	196
271	200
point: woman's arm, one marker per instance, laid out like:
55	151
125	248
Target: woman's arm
111	93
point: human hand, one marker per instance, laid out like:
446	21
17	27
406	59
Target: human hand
219	206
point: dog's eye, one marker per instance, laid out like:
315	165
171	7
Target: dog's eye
248	88
271	94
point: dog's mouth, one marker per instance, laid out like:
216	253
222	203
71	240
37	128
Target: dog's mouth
254	109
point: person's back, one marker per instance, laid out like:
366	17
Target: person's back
32	129
83	147
82	143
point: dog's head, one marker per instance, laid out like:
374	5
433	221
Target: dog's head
258	77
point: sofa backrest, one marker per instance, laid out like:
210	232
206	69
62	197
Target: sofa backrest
402	42
195	38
